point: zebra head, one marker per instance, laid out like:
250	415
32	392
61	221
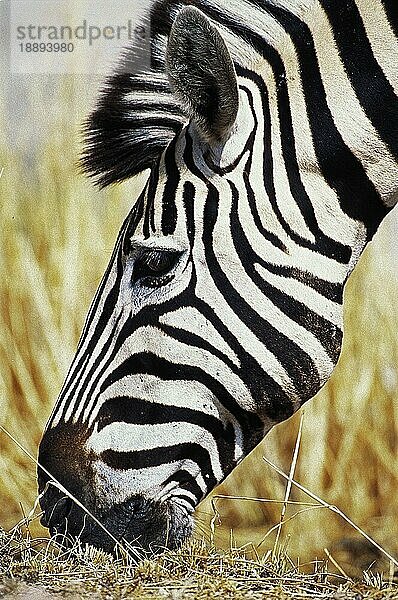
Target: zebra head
221	308
157	406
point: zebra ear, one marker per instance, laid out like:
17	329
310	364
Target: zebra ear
202	74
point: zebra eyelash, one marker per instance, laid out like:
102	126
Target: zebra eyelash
155	267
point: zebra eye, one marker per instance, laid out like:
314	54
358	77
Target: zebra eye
153	267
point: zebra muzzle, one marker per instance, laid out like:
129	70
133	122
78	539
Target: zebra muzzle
148	525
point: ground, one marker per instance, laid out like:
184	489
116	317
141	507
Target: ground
33	568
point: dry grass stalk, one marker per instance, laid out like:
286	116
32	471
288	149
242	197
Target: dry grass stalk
334	509
289	483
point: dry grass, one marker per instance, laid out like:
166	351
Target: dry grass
36	567
57	236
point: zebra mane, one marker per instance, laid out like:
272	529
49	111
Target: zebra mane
136	115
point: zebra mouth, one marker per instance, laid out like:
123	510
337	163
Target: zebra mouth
147	526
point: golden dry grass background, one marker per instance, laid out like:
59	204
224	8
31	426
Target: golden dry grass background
57	235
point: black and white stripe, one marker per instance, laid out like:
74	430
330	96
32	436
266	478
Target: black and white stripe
267	180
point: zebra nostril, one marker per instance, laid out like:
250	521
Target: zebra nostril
56	514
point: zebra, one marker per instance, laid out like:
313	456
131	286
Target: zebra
270	132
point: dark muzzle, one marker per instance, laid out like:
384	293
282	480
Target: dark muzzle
146	525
